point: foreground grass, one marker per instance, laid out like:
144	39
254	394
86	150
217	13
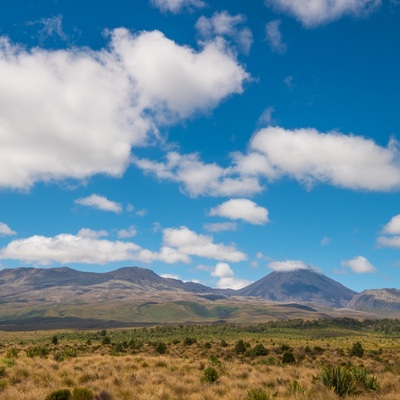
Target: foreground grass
174	363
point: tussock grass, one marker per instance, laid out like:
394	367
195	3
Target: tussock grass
142	373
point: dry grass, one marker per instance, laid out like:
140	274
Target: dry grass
142	374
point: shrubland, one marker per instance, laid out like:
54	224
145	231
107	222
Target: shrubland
320	359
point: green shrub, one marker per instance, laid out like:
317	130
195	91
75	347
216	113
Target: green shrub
106	340
223	343
82	394
240	347
2	371
357	350
259	350
37	351
210	375
12	353
135	344
188	341
288	358
54	340
62	394
161	348
257	394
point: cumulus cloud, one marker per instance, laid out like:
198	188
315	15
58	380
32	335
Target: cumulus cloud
92	234
176	6
312	13
127	233
243	209
393	226
227	279
309	156
289	265
5	230
199	178
359	265
100	203
226	25
221	226
274	36
78	112
84	248
191	243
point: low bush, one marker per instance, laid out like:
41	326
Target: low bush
357	350
210	375
288	358
161	348
259	350
61	394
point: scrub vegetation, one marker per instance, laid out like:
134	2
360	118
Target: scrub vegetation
320	359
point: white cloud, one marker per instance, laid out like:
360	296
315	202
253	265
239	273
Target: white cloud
127	233
190	243
176	6
91	234
100	203
312	13
393	241
274	36
199	178
66	248
84	248
171	276
266	117
227	279
5	230
359	265
78	112
221	226
243	209
393	226
51	27
309	156
226	25
289	265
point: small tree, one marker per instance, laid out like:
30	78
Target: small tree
240	347
288	358
357	350
54	340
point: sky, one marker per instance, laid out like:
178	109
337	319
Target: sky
209	141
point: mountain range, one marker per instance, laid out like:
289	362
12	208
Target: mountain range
136	295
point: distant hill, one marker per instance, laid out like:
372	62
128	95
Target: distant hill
301	286
17	281
378	300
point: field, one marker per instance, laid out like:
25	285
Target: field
320	359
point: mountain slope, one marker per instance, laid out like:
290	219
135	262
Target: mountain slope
304	286
379	300
65	284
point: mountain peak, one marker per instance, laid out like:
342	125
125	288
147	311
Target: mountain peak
300	285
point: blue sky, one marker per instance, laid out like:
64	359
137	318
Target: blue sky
210	141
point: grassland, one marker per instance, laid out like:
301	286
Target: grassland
171	362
